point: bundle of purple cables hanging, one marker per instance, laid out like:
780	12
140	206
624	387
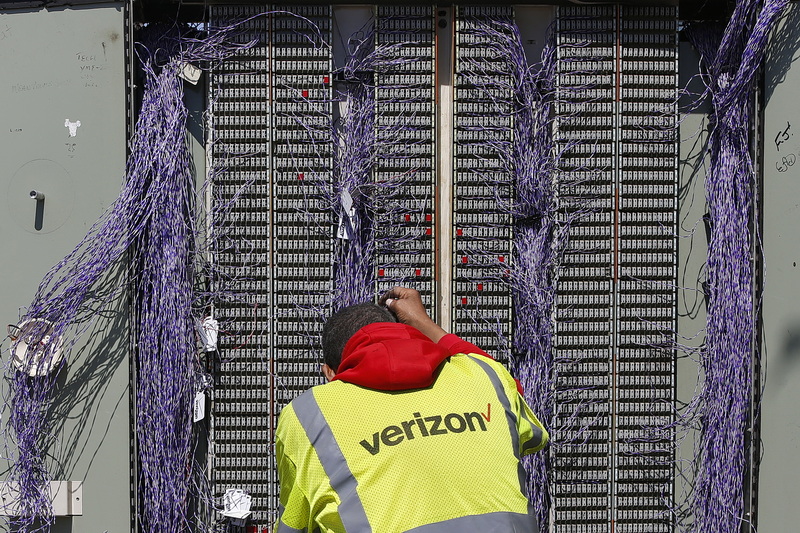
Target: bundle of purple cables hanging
363	206
731	59
153	221
356	150
539	242
539	235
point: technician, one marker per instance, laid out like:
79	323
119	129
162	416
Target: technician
417	430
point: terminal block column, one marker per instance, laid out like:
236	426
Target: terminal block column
272	120
646	319
583	345
405	171
242	406
303	163
482	190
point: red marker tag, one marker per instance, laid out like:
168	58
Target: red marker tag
459	232
464	259
429	231
501	259
326	80
408	218
428	218
463	301
301	176
480	286
380	272
418	272
305	93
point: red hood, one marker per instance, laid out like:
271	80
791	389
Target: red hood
390	356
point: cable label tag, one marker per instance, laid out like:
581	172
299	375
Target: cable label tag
190	73
199	406
208	331
347	224
347	221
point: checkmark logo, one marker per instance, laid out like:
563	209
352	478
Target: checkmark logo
488	414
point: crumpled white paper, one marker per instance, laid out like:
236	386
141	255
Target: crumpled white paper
237	504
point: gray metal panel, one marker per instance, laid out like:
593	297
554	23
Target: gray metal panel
69	64
692	251
780	429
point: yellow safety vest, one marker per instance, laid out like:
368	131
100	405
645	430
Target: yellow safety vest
444	459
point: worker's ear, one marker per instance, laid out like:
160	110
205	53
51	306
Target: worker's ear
328	371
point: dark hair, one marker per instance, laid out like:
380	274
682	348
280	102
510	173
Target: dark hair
344	323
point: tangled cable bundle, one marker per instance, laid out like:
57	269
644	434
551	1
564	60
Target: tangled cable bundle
163	305
539	235
363	207
153	219
731	59
539	242
165	258
356	149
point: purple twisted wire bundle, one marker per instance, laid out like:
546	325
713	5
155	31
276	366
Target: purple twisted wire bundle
356	146
163	305
165	300
731	59
359	143
153	218
31	432
539	241
539	236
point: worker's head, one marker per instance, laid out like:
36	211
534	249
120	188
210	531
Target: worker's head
342	325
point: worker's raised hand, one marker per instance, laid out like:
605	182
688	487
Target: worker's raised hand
407	306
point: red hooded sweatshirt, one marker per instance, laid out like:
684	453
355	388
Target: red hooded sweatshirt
391	356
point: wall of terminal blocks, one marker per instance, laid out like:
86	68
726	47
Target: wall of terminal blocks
440	221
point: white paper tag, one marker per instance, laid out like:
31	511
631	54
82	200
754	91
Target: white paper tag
199	406
208	330
347	200
346	227
190	73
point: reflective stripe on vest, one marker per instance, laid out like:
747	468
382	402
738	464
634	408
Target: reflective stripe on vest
511	418
483	523
351	510
538	435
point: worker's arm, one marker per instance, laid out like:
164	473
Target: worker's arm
406	304
455	344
